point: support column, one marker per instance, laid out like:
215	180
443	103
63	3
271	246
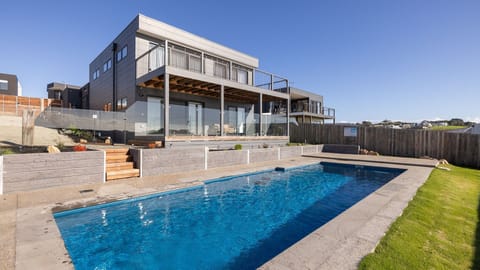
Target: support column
222	110
202	64
260	110
165	60
166	105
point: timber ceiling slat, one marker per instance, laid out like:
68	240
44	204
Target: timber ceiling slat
206	89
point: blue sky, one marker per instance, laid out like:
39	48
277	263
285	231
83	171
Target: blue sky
371	60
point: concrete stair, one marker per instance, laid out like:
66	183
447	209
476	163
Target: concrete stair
119	164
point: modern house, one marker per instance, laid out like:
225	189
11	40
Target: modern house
10	85
65	95
177	87
307	107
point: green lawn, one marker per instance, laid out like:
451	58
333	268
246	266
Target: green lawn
447	127
438	230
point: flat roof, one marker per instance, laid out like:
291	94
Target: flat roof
161	30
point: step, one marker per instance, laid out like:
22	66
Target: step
123	174
116	151
120	166
117	158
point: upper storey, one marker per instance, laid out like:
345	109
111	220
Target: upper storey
162	31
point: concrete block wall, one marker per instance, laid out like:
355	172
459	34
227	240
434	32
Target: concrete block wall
227	158
261	155
1	174
35	171
291	151
162	161
310	149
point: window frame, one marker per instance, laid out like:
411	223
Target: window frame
107	65
96	74
122	54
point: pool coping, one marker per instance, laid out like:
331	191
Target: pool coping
32	239
345	240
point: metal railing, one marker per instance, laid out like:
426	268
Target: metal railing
208	65
328	111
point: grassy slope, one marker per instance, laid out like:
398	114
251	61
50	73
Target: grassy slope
438	228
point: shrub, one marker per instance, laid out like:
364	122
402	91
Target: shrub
6	152
238	147
60	145
79	148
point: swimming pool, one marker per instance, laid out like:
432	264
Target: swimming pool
232	223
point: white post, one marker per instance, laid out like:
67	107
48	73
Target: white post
248	156
140	158
104	166
206	158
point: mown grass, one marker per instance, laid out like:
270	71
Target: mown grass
438	230
447	127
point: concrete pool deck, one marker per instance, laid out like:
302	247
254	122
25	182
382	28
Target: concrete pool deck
30	239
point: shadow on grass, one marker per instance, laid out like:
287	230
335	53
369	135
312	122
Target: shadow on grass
476	258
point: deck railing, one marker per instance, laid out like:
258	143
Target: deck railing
206	64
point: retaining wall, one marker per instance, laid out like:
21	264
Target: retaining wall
261	155
22	172
34	171
227	158
162	161
1	174
289	152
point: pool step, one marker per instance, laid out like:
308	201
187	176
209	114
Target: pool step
119	164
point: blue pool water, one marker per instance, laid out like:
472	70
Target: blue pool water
235	223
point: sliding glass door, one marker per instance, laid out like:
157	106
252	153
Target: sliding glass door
154	116
195	118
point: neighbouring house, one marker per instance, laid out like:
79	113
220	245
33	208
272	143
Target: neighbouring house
307	107
85	90
180	88
10	85
65	95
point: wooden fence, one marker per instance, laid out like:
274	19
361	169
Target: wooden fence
461	149
14	105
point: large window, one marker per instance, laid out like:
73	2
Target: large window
3	85
185	58
217	67
122	104
240	74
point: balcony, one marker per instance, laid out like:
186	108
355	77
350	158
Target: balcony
202	63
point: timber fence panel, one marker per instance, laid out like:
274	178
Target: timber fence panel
457	148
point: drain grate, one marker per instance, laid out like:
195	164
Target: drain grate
86	190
